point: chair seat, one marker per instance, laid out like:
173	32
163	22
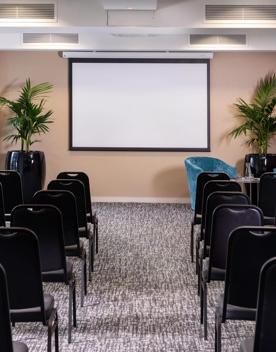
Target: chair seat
269	220
201	250
83	232
199	235
73	251
197	219
217	274
236	312
34	313
92	220
19	347
58	275
247	345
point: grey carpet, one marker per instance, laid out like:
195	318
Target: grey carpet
143	292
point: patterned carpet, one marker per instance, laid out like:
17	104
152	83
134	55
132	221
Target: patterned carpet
143	292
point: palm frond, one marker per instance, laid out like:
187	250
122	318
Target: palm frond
257	121
265	90
28	118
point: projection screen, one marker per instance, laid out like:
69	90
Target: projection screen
139	104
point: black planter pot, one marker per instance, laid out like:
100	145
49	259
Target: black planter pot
31	166
259	164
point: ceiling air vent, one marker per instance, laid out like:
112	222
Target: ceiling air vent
227	39
28	12
240	12
146	5
50	38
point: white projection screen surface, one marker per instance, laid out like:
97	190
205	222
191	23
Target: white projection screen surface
139	104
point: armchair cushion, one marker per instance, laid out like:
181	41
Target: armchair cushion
195	165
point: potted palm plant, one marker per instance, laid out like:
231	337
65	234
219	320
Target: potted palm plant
258	124
27	121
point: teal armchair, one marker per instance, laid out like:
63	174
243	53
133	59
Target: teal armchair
197	164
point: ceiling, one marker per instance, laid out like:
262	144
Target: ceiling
139	25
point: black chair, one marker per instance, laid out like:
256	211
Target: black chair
214	200
12	190
202	179
265	337
46	222
6	343
19	255
91	216
267	196
77	188
209	188
65	201
248	249
226	218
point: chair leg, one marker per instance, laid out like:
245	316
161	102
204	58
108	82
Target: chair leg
74	304
94	247
205	317
70	313
90	265
95	230
52	325
198	281
192	242
201	300
197	254
217	333
91	256
49	345
56	334
199	273
199	263
82	280
85	275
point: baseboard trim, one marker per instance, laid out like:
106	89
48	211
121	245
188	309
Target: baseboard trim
178	200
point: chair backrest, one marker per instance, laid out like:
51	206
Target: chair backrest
46	222
249	248
12	189
19	255
216	186
65	201
83	177
225	219
77	188
213	201
5	323
267	193
202	179
265	337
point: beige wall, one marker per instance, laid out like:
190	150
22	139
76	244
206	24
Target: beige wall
133	174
